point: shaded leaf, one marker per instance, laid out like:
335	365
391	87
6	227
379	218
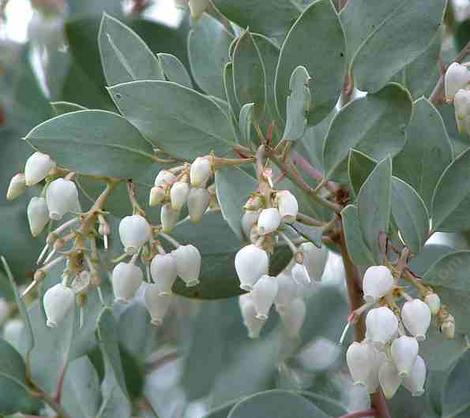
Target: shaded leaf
65	107
360	166
174	70
456	395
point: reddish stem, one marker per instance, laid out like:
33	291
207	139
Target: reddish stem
361	414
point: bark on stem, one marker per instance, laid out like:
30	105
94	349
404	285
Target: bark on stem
361	414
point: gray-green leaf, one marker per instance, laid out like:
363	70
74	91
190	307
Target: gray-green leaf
374	125
410	214
383	39
94	142
374	206
180	121
360	166
174	70
316	33
124	55
456	393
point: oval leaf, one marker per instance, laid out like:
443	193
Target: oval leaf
451	199
374	125
174	70
180	121
410	214
208	45
275	404
456	391
94	142
124	55
383	39
316	33
359	167
374	204
426	141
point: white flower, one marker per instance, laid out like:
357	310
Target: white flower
134	232
248	311
287	205
58	301
197	7
164	177
198	202
381	325
462	110
163	271
457	77
361	361
188	264
179	194
314	259
416	317
414	382
156	196
389	379
126	279
200	172
168	217
156	303
251	262
263	295
287	290
37	167
17	186
433	301
404	351
268	221
293	317
38	215
377	282
249	219
81	282
61	197
300	274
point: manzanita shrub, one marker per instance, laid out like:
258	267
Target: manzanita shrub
236	159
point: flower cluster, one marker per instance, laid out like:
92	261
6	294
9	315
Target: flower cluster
262	224
457	90
388	356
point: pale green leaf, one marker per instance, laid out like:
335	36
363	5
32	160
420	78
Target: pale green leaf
360	166
456	393
174	70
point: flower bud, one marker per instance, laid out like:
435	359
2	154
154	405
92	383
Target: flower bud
81	282
360	360
381	325
300	274
156	303
254	203
163	271
188	264
249	219
58	301
197	7
377	282
156	196
248	311
263	295
314	259
200	172
61	197
389	379
448	327
416	317
268	221
287	290
414	382
404	351
37	167
251	262
168	217
293	317
134	232
16	187
433	301
198	202
38	215
457	77
287	205
164	177
462	110
126	279
179	194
